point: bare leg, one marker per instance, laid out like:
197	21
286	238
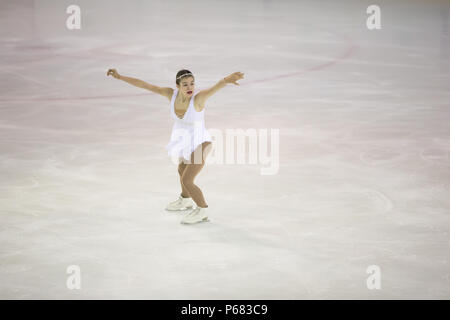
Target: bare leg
181	168
191	170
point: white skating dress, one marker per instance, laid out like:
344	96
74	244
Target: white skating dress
187	133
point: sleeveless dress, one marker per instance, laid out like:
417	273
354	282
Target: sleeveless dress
187	133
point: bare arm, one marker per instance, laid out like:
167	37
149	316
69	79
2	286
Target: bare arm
203	95
141	84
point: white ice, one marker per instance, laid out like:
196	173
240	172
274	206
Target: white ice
364	153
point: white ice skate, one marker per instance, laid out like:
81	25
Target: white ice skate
180	204
195	216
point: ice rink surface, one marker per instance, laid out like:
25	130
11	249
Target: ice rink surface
364	150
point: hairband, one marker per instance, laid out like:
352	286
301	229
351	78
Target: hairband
184	75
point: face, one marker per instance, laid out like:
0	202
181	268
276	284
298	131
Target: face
186	86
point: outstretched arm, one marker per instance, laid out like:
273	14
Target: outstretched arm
141	84
203	95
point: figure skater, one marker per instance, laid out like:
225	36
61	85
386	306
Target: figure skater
190	141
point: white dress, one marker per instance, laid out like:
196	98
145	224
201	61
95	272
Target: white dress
187	133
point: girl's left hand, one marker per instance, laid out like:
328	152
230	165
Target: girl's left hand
232	78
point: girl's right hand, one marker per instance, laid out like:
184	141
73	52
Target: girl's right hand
114	73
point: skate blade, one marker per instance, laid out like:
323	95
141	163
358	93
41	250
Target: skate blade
183	209
203	220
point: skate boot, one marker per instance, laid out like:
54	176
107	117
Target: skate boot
180	204
195	216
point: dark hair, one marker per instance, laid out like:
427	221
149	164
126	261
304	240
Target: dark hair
180	73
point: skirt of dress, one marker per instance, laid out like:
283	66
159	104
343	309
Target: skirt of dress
183	146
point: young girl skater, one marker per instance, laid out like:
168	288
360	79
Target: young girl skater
190	141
